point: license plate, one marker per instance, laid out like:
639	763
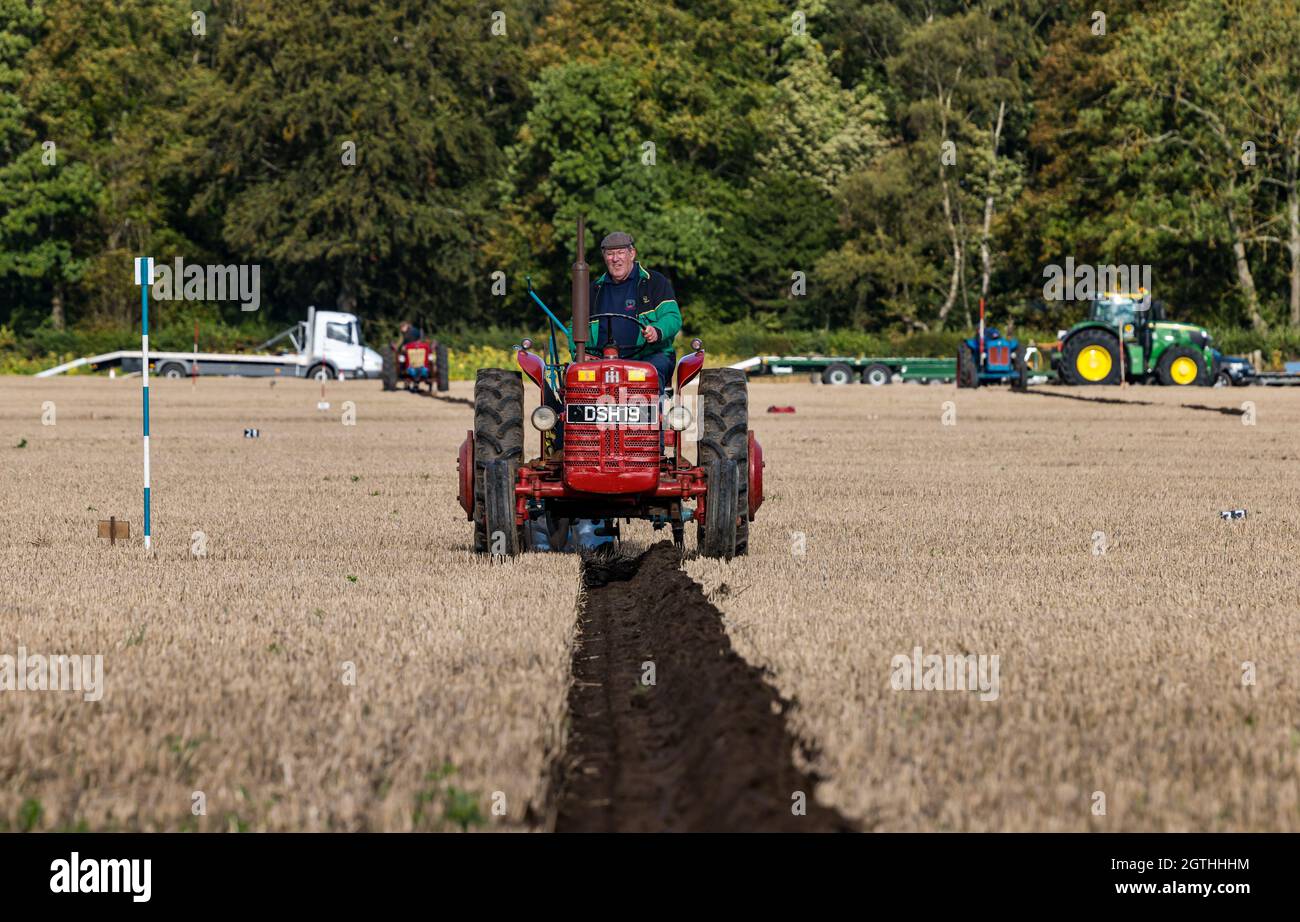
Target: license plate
621	414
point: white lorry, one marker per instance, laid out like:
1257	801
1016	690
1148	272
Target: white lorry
326	344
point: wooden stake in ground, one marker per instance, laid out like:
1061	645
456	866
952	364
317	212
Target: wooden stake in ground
112	529
1122	382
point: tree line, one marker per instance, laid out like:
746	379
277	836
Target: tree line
832	164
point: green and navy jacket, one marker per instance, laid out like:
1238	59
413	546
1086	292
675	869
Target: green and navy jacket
656	305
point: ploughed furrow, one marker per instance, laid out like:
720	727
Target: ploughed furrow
669	728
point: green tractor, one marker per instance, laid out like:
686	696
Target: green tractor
1180	354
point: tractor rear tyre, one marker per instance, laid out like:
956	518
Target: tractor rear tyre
498	436
440	353
1020	381
724	436
1181	366
839	373
389	374
876	375
718	531
968	372
1090	356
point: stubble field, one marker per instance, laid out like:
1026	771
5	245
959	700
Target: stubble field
1078	541
326	545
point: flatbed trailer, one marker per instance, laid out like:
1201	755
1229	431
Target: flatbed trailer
1275	378
326	345
180	364
839	369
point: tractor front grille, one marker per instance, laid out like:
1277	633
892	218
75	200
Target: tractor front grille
609	448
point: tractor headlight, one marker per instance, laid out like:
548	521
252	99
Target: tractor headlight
678	419
544	418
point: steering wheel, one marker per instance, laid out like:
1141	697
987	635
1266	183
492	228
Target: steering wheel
637	320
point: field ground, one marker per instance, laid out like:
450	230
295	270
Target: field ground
326	544
884	530
1121	672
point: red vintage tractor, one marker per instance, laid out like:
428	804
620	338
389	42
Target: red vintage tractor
414	364
610	447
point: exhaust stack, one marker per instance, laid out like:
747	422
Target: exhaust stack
581	295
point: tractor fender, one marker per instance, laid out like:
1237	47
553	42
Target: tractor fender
755	475
532	365
1087	325
465	474
688	367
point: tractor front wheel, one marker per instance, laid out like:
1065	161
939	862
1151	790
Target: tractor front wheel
389	374
724	404
968	372
498	437
1090	356
503	537
1021	380
1182	366
440	352
718	531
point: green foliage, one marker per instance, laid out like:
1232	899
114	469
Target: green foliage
364	148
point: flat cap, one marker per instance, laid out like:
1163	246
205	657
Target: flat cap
616	239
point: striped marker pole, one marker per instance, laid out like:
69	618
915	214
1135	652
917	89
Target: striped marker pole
143	278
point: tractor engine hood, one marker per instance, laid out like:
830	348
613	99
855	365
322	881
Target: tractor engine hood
612	426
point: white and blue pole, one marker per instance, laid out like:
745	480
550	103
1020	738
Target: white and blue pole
144	278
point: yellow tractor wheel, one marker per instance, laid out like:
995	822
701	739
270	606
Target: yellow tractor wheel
1182	366
1183	370
1093	363
1090	356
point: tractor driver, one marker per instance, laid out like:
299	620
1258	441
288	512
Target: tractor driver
410	333
638	293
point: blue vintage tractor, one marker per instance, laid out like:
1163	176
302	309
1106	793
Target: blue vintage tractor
990	357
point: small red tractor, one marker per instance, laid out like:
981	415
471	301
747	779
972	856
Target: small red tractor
610	446
416	363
